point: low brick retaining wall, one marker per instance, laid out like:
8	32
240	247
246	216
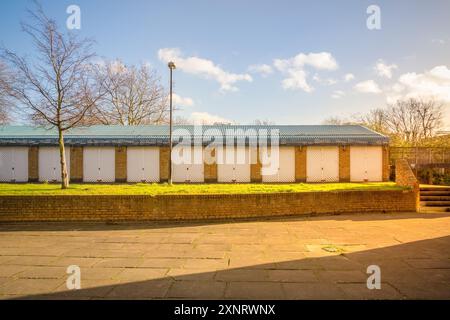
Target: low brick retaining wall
179	207
405	177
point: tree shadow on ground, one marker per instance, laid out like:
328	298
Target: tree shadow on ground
415	270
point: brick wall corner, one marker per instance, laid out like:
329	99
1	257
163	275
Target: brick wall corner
344	163
164	154
385	163
121	164
255	165
33	164
76	164
300	164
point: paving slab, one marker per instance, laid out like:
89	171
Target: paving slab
287	258
197	290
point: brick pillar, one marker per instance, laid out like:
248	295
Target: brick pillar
210	170
300	164
344	163
76	164
385	161
255	165
121	164
33	164
164	154
405	177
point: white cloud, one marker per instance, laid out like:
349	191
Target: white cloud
207	118
438	41
296	79
368	86
204	68
337	94
182	101
432	84
263	69
327	81
349	77
384	70
294	68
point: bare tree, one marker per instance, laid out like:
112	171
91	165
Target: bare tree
414	120
134	96
375	119
56	85
6	92
430	117
407	122
179	120
259	122
336	121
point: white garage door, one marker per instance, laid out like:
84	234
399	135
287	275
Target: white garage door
285	168
14	164
142	164
99	164
322	164
233	164
189	170
49	163
365	163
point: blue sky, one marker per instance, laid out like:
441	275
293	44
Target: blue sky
284	61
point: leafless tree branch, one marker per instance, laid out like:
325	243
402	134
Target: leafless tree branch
57	86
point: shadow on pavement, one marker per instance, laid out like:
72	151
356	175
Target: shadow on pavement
415	270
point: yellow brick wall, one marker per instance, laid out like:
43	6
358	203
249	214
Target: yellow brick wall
344	163
33	164
404	176
300	164
121	164
183	207
76	164
255	166
210	170
385	170
164	163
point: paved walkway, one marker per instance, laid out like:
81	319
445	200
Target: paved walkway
303	258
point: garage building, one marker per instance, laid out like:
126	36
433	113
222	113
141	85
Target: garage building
304	153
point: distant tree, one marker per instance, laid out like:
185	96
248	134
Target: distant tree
182	121
375	119
336	121
414	120
407	122
134	96
56	86
6	93
440	141
266	122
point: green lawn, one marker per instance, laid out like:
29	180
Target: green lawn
158	189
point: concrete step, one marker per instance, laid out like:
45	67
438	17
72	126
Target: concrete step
434	193
434	198
434	209
435	203
435	189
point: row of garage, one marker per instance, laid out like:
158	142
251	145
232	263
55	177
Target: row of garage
143	165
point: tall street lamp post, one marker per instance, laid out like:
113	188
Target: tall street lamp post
171	66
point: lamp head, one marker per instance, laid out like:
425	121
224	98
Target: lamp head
171	65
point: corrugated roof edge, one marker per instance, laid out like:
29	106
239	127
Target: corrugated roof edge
375	132
156	135
118	130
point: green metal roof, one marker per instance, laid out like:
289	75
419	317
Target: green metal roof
159	134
